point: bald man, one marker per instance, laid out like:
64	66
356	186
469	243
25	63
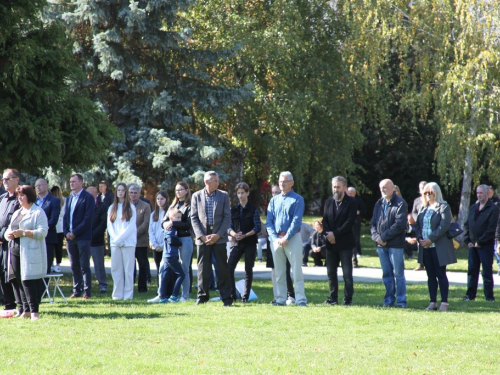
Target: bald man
388	226
52	207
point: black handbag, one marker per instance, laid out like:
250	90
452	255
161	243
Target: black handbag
454	230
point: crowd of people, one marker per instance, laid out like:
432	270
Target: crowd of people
34	222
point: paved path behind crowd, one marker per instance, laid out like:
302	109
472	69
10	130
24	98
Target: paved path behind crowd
369	275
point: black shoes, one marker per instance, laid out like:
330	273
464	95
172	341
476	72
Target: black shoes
467	298
332	302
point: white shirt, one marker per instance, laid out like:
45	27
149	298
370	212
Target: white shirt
122	233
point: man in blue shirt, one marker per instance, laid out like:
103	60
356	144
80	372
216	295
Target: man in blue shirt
284	220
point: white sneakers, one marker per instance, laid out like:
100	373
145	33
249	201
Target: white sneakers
157	299
56	268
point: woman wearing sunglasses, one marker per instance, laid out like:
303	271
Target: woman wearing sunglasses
433	221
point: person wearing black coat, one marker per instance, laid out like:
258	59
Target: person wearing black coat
318	244
338	220
99	226
479	235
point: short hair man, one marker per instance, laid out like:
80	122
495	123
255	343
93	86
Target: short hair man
417	204
77	228
52	207
210	218
143	210
338	221
8	205
388	226
244	227
284	220
351	191
99	226
479	235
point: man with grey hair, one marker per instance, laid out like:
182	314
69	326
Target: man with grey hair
210	218
338	221
143	211
284	220
388	227
479	235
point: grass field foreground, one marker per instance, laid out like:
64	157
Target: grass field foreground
102	336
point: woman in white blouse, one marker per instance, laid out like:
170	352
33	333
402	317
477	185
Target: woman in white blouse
122	229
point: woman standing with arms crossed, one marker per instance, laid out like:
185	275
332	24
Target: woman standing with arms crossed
27	252
122	231
156	235
182	202
433	221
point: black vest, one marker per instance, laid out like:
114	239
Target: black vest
244	223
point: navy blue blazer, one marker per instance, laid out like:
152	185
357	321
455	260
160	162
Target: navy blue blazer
52	208
82	216
99	224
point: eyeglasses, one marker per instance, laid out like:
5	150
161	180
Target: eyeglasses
8	179
428	193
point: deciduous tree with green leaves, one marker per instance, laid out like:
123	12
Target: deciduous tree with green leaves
44	122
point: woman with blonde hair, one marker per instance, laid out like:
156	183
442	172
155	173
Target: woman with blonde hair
122	229
433	222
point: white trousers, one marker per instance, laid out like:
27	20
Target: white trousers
292	251
122	271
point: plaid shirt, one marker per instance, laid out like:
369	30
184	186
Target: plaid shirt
209	207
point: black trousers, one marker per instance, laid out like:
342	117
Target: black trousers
59	248
51	248
356	229
205	267
235	255
28	292
305	253
141	254
333	258
7	289
318	257
157	256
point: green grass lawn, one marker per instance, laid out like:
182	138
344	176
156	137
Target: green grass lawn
101	336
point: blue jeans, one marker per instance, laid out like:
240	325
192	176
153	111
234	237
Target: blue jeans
186	253
392	261
172	265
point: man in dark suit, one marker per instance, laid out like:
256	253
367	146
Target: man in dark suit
99	226
338	221
351	191
52	207
479	235
77	228
210	218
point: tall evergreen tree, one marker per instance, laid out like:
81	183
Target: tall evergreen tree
145	74
43	121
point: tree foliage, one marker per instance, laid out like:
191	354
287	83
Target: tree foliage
44	122
143	70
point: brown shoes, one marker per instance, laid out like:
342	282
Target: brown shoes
86	297
75	296
419	268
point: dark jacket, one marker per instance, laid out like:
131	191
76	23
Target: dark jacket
82	216
440	223
99	224
172	243
361	208
52	208
340	222
9	205
184	226
481	225
390	227
108	198
244	223
319	240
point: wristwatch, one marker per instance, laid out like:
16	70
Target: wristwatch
24	233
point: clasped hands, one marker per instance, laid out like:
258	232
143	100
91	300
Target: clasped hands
331	238
210	239
14	234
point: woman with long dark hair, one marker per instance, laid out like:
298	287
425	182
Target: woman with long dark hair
56	192
182	202
122	231
156	235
